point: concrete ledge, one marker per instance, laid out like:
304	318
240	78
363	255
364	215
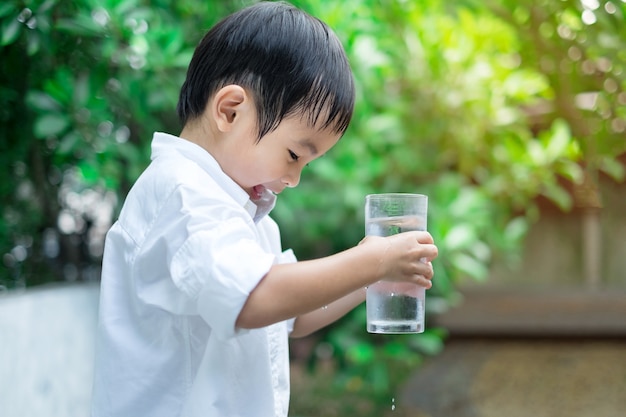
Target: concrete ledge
46	350
536	313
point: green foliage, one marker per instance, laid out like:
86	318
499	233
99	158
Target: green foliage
451	104
84	85
482	105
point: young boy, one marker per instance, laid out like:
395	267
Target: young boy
198	299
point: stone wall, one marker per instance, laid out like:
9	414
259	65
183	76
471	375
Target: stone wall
554	252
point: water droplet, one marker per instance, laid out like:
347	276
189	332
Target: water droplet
324	307
393	404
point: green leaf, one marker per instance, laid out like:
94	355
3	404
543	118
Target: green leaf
33	43
61	86
613	168
89	172
516	229
182	59
81	25
7	8
10	32
559	140
395	349
558	195
429	342
379	377
470	266
361	353
81	90
41	101
460	236
50	124
68	144
45	6
571	171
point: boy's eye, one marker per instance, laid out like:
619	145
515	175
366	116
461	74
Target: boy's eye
293	155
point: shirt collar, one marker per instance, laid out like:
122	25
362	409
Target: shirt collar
163	143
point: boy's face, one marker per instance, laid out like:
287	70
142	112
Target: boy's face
277	160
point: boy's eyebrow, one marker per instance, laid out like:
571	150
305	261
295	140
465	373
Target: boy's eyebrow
309	145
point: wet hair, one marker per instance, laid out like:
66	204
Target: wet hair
291	63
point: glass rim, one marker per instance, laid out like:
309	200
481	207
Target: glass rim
395	195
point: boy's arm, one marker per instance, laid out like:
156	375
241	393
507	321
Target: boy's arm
322	317
291	290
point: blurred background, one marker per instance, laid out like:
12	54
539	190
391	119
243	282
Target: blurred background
510	115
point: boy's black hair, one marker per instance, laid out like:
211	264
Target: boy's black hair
291	62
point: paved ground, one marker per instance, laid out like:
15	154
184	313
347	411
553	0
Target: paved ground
527	353
522	378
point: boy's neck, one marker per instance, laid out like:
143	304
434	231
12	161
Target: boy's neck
196	132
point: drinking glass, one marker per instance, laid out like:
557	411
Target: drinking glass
395	307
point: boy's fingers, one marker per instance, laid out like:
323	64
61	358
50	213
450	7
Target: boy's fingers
425	269
428	252
423	237
424	282
431	252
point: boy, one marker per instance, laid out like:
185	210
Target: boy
198	299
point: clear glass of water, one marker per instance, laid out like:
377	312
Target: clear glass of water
395	307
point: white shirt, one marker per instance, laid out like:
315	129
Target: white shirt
187	250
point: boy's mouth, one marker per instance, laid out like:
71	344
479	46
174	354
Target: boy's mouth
257	192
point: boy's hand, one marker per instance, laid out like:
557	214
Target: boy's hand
405	257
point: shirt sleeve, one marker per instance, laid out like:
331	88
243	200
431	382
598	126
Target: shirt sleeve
219	268
198	251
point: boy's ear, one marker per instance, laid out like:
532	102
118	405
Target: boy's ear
229	104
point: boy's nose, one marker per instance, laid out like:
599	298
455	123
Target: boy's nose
292	179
